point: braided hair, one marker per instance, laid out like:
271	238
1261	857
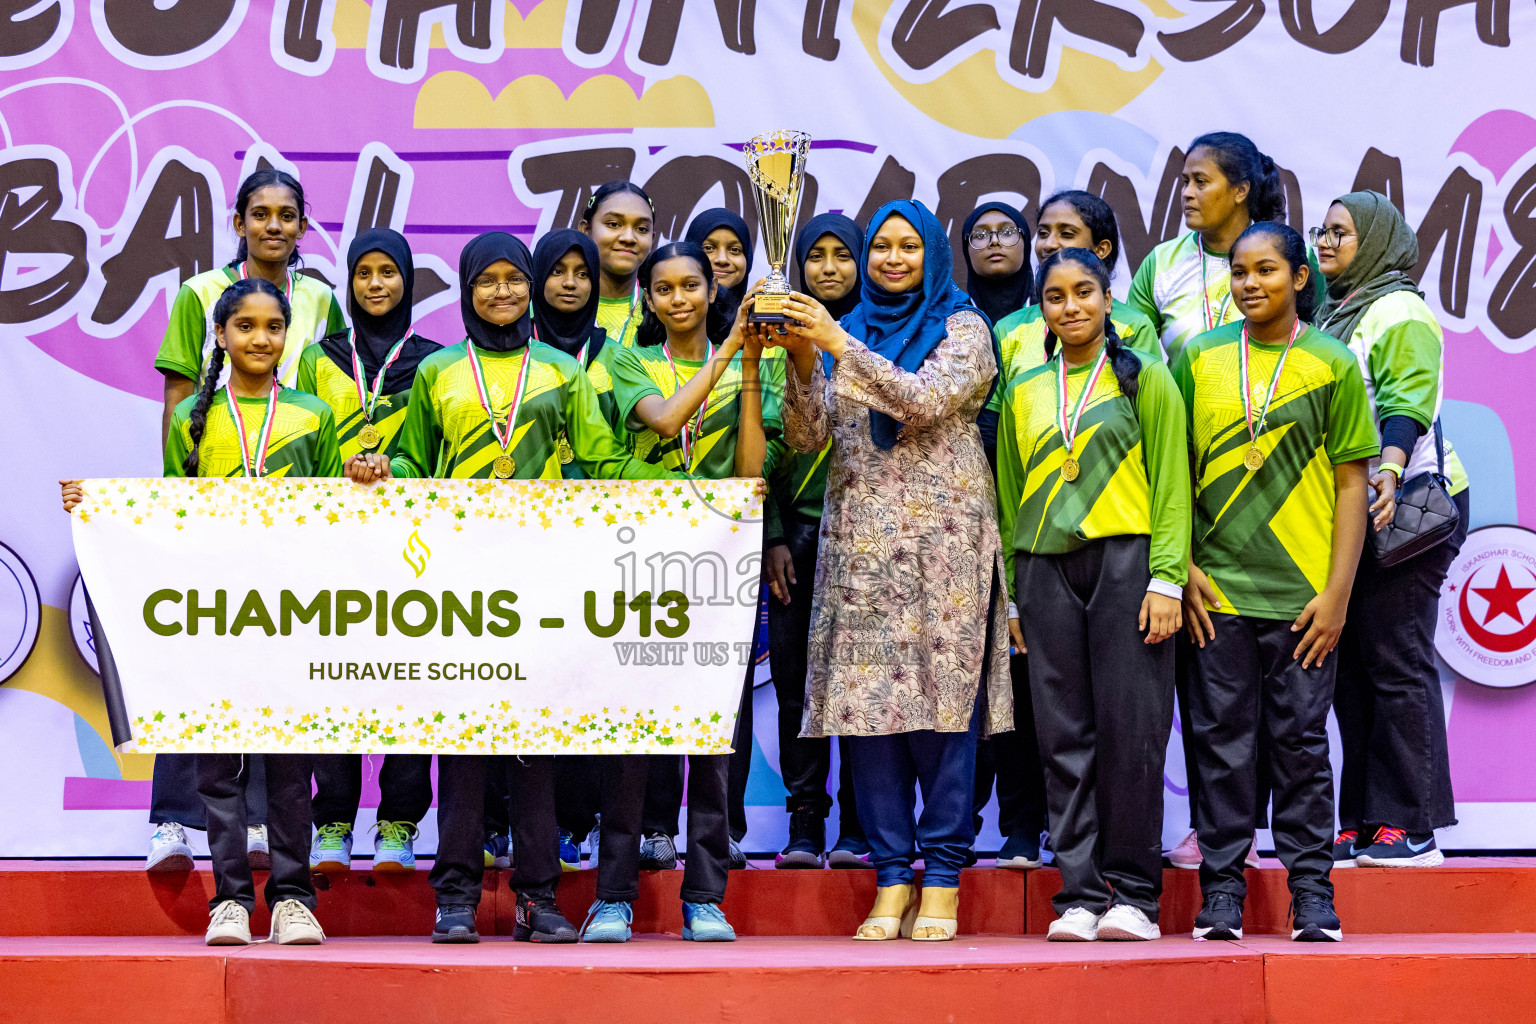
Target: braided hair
228	304
267	177
1121	359
718	321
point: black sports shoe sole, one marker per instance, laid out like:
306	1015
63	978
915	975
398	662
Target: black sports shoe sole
523	934
466	936
1218	932
1317	933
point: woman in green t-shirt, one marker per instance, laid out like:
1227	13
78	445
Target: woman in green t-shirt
1093	500
1280	433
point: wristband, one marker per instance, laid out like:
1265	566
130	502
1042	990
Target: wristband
1013	610
1391	467
1166	588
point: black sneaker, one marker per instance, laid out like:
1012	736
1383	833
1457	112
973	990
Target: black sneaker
1313	918
539	920
657	852
1221	917
455	924
807	839
737	859
1399	848
1346	848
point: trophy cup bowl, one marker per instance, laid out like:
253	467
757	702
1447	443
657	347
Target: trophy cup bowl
776	166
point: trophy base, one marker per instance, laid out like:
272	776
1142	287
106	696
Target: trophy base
768	308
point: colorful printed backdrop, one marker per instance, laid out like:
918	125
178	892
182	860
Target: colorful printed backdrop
126	125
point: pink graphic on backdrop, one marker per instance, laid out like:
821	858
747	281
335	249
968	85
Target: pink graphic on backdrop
1498	139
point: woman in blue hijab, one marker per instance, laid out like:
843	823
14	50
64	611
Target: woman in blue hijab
908	652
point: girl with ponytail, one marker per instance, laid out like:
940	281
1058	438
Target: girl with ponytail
1093	502
270	221
253	426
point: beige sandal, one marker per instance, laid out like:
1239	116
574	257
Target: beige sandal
945	927
878	929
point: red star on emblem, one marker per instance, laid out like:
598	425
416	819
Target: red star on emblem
1502	598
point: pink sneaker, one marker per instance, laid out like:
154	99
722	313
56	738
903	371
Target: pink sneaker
1187	853
1252	860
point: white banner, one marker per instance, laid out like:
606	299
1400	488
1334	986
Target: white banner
425	616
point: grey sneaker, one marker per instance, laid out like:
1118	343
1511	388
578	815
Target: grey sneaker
657	852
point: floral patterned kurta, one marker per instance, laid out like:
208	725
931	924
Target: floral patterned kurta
909	544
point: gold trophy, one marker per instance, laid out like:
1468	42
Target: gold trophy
776	165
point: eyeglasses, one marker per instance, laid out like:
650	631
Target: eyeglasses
981	238
488	286
1330	238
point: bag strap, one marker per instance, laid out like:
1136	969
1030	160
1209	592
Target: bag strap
1439	447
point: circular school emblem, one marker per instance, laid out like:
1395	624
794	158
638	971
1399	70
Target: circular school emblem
20	611
1486	628
80	625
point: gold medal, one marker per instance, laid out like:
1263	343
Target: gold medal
503	467
1069	469
1254	459
563	447
368	436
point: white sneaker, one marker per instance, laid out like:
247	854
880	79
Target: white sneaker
256	849
230	925
331	849
1187	853
594	838
168	849
1079	924
293	924
1125	923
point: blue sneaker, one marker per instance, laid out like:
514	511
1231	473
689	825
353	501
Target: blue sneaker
705	922
849	853
394	849
455	924
332	848
570	853
594	840
498	851
1019	853
608	921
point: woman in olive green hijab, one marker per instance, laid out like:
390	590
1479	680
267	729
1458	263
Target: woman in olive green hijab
1395	788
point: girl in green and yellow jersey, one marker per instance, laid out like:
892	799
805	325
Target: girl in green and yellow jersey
1395	784
365	374
253	426
700	410
1068	219
621	220
502	405
1093	497
565	305
1280	431
270	222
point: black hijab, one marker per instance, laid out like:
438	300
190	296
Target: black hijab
706	224
845	230
481	252
376	335
998	296
566	331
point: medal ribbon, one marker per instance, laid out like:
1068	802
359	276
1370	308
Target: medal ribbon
369	400
1211	323
254	465
287	289
485	396
1242	359
688	434
1069	430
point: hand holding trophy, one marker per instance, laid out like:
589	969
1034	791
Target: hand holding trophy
776	166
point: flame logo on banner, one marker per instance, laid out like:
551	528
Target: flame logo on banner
416	553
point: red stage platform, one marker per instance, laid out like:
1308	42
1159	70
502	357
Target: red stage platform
94	942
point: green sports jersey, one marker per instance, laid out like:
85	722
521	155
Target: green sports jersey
303	441
644	370
1021	339
189	337
1400	348
1265	537
621	318
1133	458
600	373
448	434
796	485
321	376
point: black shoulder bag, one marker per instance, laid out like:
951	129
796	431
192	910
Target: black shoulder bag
1425	514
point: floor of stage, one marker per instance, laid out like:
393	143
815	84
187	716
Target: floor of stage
108	942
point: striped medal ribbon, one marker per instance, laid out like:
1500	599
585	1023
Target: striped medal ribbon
254	465
503	466
1253	458
368	435
1070	468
